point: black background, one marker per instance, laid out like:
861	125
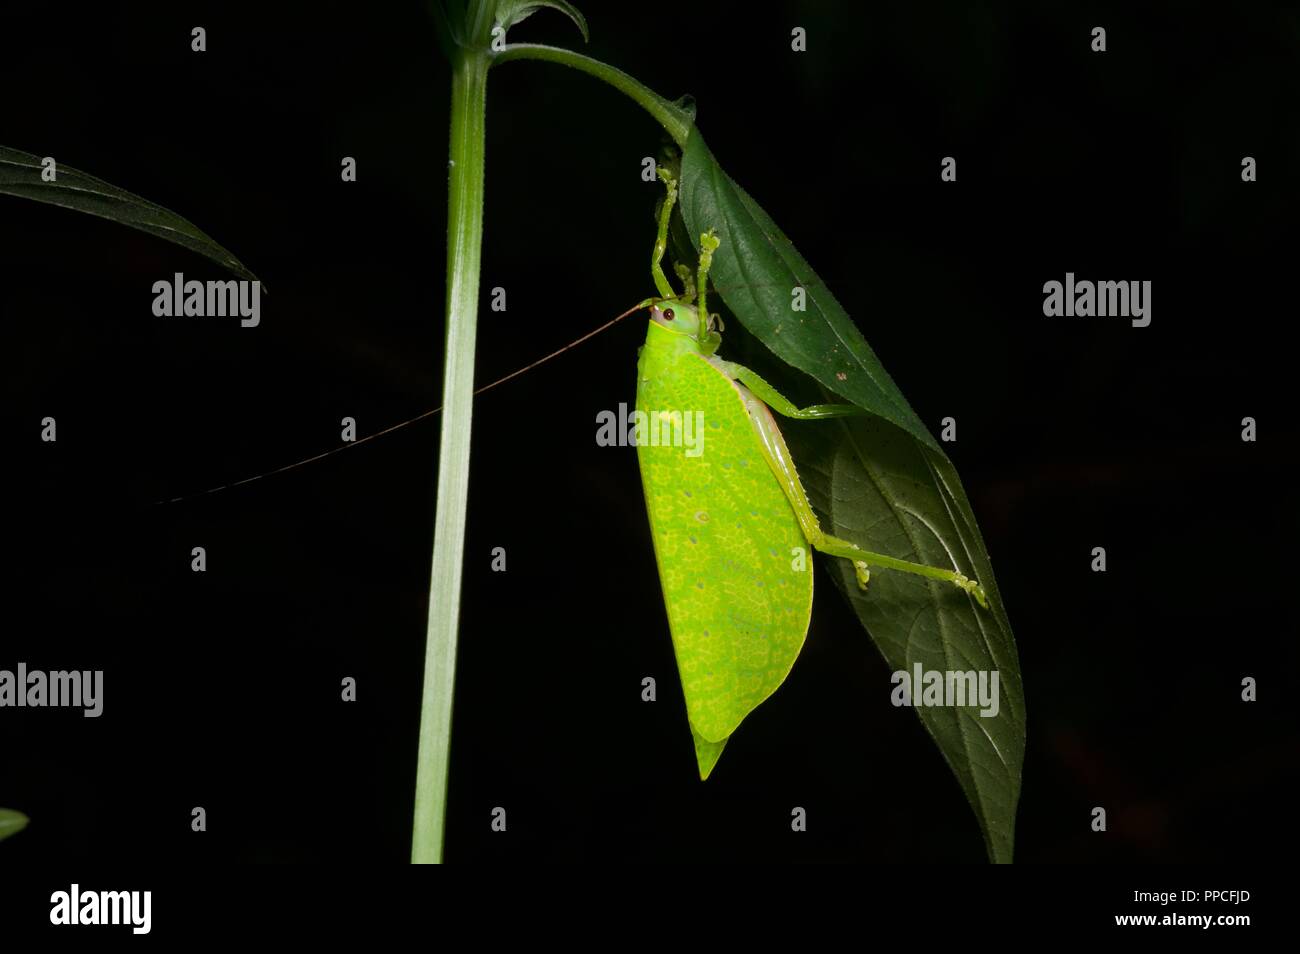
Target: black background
222	689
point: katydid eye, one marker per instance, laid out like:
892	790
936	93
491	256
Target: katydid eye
668	313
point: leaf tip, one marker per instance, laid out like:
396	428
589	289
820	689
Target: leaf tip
11	822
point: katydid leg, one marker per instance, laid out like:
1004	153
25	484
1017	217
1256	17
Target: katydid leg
661	238
708	338
779	402
782	464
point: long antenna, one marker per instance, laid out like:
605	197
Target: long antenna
419	417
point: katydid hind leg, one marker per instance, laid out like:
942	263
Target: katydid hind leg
777	401
783	467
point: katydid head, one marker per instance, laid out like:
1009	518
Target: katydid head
677	316
681	318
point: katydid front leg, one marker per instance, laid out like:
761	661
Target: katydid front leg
761	399
661	238
709	339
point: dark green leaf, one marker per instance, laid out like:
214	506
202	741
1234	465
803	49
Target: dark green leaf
757	267
875	485
11	822
510	12
20	175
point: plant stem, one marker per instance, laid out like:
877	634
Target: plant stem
464	249
672	117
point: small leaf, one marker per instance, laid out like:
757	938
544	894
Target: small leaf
11	822
510	12
20	175
757	268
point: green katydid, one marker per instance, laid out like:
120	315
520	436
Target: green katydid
731	521
730	525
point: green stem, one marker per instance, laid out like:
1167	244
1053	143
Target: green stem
464	249
673	118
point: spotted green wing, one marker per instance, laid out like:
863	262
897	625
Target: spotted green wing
706	753
725	540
